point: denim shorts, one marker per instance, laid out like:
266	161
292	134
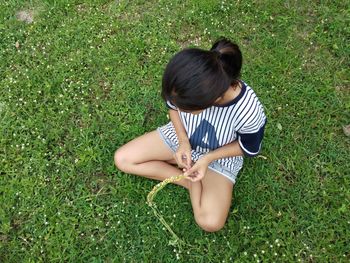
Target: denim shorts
168	135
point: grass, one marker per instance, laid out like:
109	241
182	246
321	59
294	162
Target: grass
84	78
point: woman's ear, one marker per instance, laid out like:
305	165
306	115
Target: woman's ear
234	86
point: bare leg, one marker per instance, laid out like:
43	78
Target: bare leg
211	200
148	156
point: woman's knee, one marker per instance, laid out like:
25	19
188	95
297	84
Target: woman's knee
210	223
121	159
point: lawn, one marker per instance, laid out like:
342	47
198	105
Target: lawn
79	79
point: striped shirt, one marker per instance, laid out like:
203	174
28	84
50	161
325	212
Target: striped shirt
242	119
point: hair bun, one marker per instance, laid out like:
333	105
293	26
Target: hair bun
230	57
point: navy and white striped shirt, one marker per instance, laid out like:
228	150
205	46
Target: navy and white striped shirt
242	119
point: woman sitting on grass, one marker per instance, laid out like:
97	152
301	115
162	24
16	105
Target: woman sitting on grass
216	118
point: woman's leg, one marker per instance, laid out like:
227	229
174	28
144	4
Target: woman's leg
211	200
148	156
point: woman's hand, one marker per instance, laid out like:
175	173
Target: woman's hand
183	155
198	170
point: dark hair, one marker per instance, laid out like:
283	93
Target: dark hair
195	78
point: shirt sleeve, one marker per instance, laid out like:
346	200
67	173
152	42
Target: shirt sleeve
251	142
170	105
250	136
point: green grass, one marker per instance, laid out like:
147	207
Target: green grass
86	78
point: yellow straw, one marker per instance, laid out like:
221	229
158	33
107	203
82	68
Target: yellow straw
150	197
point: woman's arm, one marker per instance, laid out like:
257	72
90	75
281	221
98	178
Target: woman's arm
183	153
228	150
179	128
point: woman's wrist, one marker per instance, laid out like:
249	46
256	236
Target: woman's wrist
183	140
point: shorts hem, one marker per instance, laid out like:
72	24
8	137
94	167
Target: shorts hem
166	141
233	180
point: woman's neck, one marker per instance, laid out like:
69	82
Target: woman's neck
232	92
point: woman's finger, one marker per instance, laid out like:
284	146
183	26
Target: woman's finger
190	172
186	159
178	161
